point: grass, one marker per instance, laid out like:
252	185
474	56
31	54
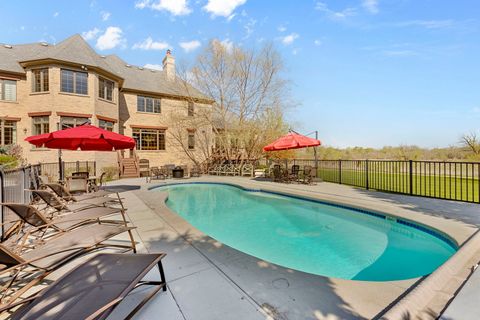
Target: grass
438	186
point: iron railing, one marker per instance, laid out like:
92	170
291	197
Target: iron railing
449	180
14	183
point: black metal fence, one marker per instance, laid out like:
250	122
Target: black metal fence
15	182
435	179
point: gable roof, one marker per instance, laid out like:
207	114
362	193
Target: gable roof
149	80
76	50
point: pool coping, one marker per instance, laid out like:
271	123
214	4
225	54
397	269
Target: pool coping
427	294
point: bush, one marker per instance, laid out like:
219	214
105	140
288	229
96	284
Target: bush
111	173
8	161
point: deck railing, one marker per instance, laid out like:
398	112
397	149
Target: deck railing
449	180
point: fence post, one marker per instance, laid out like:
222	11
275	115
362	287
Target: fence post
340	171
95	168
410	175
78	166
366	172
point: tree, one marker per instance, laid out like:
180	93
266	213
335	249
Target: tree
471	142
250	98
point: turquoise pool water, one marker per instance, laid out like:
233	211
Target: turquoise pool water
309	236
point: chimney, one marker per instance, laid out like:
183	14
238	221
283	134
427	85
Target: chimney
169	66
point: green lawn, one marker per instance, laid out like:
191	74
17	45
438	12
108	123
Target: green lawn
439	186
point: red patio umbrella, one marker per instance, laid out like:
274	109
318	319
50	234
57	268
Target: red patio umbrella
85	137
292	140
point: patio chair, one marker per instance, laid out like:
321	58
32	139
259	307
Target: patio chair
294	171
144	166
24	269
308	175
93	289
54	202
77	185
247	170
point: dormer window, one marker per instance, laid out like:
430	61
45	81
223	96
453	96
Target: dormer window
40	80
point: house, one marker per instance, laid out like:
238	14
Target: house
46	87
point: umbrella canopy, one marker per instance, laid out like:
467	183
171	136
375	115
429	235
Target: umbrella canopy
85	137
292	140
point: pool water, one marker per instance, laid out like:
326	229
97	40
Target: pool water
309	236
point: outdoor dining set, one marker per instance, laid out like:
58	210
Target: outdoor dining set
296	174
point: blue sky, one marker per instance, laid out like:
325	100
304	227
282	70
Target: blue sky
364	72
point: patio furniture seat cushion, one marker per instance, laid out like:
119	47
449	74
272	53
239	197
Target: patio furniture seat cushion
102	281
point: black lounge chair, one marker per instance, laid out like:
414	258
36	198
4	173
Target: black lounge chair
93	289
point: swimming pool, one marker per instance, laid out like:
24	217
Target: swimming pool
310	236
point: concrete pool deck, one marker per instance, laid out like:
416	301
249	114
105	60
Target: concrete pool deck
208	280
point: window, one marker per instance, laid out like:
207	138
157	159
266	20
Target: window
40	80
8	132
191	140
191	109
105	89
72	122
148	104
149	139
40	125
8	90
106	125
74	82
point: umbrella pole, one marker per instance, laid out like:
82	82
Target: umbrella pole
60	166
316	155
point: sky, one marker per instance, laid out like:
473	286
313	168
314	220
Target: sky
363	72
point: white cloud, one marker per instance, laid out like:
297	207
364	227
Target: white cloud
153	66
22	28
90	34
371	6
175	7
189	45
282	29
110	39
149	44
249	27
335	15
56	14
230	17
222	8
476	110
287	40
429	24
105	15
317	42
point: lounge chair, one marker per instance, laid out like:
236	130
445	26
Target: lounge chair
52	254
59	205
93	289
64	222
63	193
77	184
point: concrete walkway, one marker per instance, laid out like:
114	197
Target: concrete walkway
208	280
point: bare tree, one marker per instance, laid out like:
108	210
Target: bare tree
250	98
471	142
